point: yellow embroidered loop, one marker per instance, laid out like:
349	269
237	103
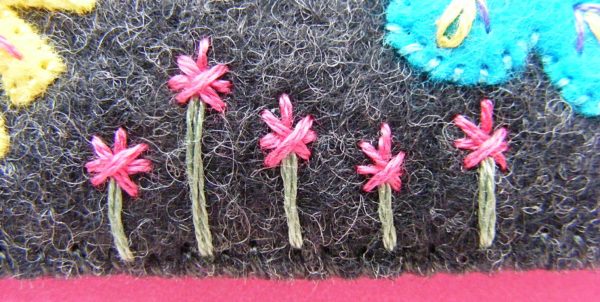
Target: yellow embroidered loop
27	77
586	13
593	21
462	13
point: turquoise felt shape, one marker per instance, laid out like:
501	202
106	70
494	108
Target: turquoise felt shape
517	28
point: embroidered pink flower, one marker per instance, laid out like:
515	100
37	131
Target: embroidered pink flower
285	139
9	48
386	169
118	163
198	80
481	140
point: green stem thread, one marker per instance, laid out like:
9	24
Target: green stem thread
289	173
115	207
195	173
487	203
386	215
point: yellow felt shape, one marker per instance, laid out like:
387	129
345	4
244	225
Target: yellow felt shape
28	77
24	80
593	21
77	6
4	138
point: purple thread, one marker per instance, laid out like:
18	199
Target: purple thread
485	14
580	22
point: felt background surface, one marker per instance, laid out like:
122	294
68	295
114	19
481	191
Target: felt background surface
330	57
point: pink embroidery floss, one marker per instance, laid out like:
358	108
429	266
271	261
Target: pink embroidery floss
288	142
386	171
116	166
486	151
9	48
199	84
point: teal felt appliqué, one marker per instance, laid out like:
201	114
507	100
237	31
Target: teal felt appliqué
491	57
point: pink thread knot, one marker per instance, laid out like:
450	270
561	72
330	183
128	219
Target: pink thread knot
480	140
118	163
387	170
9	48
285	139
200	80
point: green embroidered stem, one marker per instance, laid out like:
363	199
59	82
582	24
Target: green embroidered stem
115	207
386	215
289	173
195	172
487	203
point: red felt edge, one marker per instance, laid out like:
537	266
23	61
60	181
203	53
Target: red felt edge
537	285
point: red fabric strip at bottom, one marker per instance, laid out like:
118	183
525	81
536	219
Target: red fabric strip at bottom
505	286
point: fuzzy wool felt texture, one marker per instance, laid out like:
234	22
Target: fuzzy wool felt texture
517	28
331	57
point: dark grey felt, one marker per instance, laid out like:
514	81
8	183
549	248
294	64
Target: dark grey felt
329	56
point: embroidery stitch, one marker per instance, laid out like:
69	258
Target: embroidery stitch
487	150
286	142
463	13
197	85
10	49
117	165
386	173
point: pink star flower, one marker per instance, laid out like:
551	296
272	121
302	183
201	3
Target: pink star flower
481	140
385	169
198	80
118	163
286	139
